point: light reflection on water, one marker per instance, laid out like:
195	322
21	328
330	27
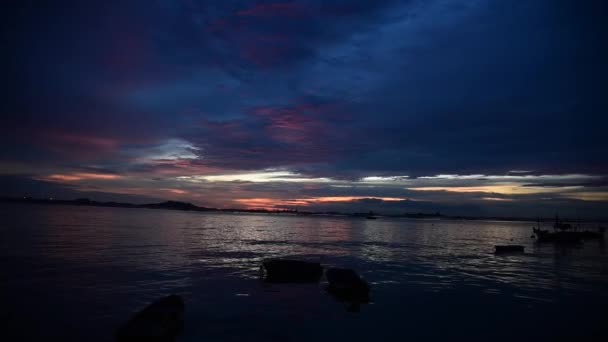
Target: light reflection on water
74	273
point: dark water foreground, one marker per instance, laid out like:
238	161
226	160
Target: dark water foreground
75	274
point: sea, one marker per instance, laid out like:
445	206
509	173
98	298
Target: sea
72	273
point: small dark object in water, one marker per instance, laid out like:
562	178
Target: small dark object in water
292	271
564	237
371	217
346	285
509	249
160	321
588	235
565	233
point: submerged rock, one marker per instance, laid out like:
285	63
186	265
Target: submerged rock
160	321
346	285
292	271
500	249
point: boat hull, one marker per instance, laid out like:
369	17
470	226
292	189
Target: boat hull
566	236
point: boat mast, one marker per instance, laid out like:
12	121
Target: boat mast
556	224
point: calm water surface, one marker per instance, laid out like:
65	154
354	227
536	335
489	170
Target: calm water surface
75	273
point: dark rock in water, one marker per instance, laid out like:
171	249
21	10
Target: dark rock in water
346	285
160	321
292	271
509	249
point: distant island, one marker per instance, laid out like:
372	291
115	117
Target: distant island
185	206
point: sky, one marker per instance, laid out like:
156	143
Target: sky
464	107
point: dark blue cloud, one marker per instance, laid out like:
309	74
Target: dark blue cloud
339	89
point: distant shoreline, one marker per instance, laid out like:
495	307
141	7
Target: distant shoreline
185	206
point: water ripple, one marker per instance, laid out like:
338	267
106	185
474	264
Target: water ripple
113	260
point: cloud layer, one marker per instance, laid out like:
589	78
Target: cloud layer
310	100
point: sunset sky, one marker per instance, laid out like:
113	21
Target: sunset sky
472	107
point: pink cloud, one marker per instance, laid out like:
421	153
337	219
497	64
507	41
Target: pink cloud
275	135
98	142
262	49
172	167
176	191
78	145
276	203
291	125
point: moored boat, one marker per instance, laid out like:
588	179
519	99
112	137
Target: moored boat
371	216
566	233
561	237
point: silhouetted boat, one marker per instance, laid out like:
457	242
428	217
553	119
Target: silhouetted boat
160	321
503	249
599	234
566	233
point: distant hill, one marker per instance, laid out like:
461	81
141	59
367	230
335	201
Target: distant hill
176	205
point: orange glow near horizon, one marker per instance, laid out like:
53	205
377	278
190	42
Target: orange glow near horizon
176	191
272	203
350	198
77	176
497	199
589	196
505	189
267	203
